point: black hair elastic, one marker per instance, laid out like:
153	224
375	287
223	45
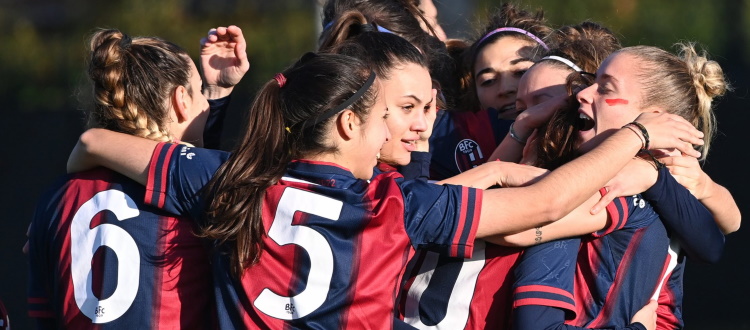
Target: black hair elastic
346	104
125	41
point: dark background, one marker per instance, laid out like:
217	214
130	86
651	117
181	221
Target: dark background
44	93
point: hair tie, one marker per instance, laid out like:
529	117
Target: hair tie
125	41
384	30
563	60
281	80
512	29
356	96
367	27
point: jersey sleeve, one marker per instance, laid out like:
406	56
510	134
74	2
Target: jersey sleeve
176	176
215	122
687	218
551	318
545	276
626	212
442	218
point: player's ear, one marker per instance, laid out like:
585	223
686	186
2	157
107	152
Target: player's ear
180	103
348	124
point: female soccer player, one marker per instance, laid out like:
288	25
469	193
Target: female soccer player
477	292
306	232
495	62
640	264
99	256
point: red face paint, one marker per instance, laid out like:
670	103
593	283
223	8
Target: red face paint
613	102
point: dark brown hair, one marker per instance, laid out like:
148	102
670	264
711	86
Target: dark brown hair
587	45
282	126
132	80
509	15
402	18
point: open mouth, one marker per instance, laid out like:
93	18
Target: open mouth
584	122
410	145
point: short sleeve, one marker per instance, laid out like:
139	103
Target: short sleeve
627	212
176	176
545	275
442	218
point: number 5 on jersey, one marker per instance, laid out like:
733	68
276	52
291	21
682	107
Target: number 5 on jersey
283	232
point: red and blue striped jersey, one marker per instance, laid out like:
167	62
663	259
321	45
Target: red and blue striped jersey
335	246
617	270
461	141
441	292
102	259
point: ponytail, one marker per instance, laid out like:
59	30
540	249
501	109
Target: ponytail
290	118
132	79
238	187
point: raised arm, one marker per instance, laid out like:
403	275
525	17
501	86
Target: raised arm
223	60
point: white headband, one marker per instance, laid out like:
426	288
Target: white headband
563	61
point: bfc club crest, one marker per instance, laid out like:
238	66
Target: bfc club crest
468	155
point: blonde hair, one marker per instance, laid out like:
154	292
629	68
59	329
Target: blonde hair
683	84
132	81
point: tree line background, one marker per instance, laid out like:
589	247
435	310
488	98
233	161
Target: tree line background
45	93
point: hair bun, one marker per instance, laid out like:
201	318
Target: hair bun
708	77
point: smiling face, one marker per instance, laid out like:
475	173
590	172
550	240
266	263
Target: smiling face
408	94
497	71
612	101
542	82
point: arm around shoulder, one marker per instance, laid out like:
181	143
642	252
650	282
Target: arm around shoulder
127	154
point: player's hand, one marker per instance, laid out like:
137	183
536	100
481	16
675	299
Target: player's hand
671	131
517	175
538	115
647	315
430	113
687	171
223	60
636	177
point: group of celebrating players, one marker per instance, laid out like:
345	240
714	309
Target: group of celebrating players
530	178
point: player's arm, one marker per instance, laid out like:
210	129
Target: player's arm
123	153
716	198
504	174
552	318
511	150
576	223
513	210
687	218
